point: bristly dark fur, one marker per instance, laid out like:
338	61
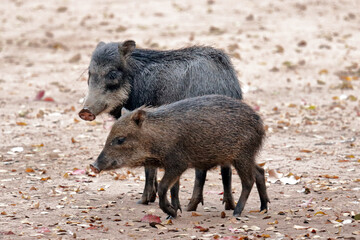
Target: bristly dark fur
161	77
200	132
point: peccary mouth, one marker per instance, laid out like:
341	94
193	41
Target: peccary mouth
94	169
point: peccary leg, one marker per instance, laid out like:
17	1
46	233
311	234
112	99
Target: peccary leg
175	196
247	176
261	186
150	189
167	181
226	180
197	196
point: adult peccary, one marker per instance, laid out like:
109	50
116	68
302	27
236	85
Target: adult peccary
121	75
200	132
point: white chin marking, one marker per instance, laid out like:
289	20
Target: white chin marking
119	97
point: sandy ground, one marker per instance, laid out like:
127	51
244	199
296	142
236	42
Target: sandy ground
298	63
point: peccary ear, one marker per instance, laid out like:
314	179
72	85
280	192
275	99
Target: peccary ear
100	44
138	117
126	47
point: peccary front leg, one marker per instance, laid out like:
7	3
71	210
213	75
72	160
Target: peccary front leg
247	176
226	180
167	181
150	189
175	201
261	186
197	196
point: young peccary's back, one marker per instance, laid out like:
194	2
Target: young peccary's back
212	125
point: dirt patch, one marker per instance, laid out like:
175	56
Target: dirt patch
298	62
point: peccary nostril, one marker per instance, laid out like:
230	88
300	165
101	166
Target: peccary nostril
94	169
86	115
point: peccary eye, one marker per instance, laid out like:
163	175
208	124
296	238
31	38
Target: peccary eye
112	75
118	141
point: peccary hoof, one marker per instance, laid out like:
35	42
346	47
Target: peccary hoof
264	209
146	198
142	202
229	205
86	115
192	206
236	214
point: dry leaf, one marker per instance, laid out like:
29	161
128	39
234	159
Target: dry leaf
319	213
302	43
48	99
78	172
273	223
76	58
167	222
352	98
323	71
330	176
274	176
236	230
150	218
157	225
38	145
202	229
306	203
297	227
121	177
29	170
39	95
344	160
279	49
35	205
195	214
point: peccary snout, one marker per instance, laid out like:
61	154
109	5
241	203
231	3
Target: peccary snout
87	115
100	163
94	169
103	163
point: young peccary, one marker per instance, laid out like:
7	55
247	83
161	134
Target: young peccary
200	132
121	75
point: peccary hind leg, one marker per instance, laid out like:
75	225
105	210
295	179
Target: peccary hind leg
247	176
197	196
150	189
226	180
261	186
